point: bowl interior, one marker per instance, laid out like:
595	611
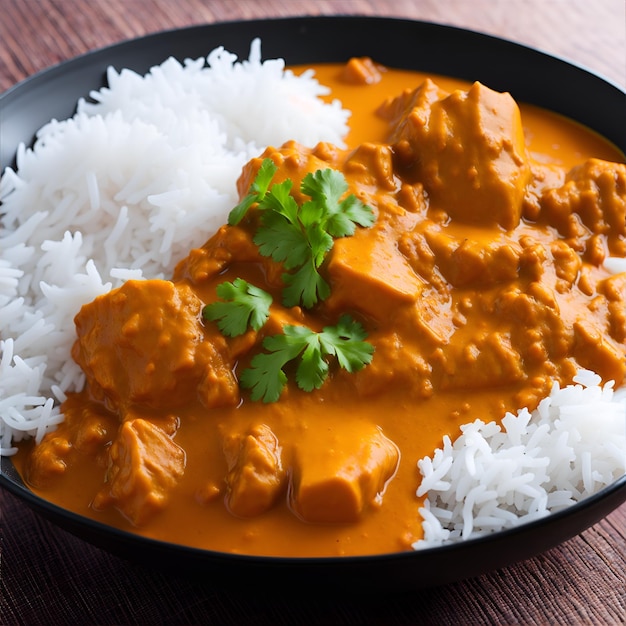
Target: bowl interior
529	75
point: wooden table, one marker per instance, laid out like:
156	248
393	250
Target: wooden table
49	577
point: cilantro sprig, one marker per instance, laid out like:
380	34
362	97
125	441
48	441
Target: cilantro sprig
257	191
300	236
311	350
243	305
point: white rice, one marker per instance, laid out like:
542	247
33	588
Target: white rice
123	190
146	171
493	478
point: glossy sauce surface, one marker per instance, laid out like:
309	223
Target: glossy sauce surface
413	418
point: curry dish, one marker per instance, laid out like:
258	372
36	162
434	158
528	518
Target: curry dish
478	281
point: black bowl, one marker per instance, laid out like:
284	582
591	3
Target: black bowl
529	75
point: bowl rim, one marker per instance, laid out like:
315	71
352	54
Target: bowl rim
11	480
602	502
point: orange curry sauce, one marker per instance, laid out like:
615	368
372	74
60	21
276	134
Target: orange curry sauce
476	287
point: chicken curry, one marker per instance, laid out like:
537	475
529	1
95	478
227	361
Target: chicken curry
459	272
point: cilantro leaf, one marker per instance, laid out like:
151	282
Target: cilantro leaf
313	368
244	305
266	377
285	242
257	192
352	212
346	342
306	285
325	187
280	200
338	217
237	214
264	177
300	237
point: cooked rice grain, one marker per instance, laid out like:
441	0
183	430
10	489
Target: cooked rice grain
123	189
493	477
145	171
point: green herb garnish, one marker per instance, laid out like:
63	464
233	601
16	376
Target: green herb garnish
257	192
300	237
266	378
244	305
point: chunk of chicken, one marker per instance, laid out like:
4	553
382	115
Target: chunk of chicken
86	429
338	479
144	344
361	71
145	464
227	245
487	360
465	262
594	193
370	275
256	476
468	150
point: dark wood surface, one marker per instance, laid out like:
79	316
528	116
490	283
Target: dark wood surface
49	577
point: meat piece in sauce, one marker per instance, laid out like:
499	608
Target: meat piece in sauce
342	473
87	430
612	296
224	247
458	293
256	477
361	71
144	344
484	261
369	274
145	464
468	150
592	201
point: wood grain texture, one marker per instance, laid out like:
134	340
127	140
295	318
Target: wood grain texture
39	33
49	577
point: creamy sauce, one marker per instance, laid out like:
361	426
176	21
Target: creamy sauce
195	513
